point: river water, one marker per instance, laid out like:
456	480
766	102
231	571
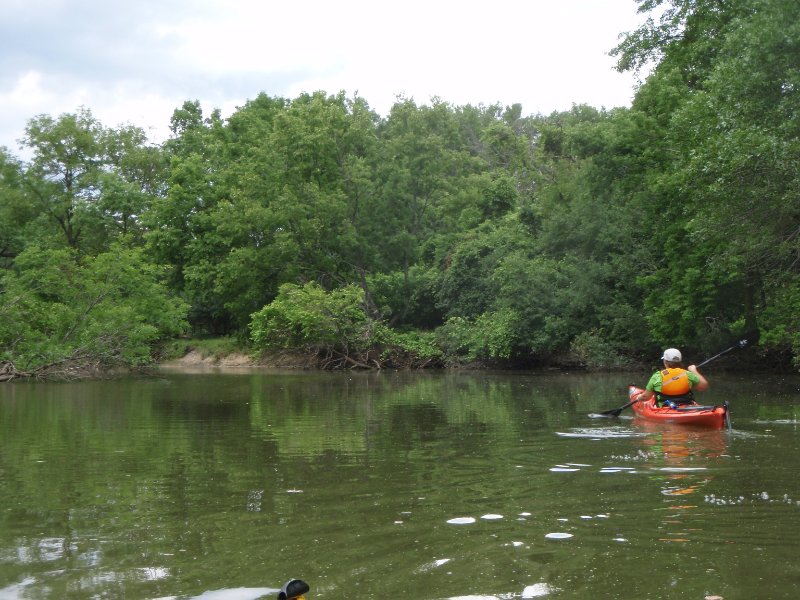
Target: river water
476	485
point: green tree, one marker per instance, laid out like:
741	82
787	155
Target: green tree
76	160
17	211
62	316
723	214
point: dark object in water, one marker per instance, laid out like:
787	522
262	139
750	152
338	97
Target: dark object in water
294	588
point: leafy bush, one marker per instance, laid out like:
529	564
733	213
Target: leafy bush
420	345
61	316
311	318
491	336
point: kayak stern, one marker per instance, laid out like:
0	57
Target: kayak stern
692	414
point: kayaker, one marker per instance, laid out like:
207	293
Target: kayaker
673	385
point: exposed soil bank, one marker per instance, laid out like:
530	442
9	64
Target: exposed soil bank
284	360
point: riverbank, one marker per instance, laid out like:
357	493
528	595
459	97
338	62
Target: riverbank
195	358
226	352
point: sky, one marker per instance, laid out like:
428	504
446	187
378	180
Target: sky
135	62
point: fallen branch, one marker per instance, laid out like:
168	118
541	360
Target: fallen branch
9	372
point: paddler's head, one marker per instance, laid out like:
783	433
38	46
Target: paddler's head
672	358
293	590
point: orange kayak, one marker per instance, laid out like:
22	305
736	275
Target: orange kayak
691	414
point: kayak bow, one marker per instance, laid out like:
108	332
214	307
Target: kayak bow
690	414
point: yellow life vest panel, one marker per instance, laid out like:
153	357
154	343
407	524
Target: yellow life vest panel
675	382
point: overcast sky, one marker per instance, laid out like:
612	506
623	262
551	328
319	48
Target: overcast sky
135	61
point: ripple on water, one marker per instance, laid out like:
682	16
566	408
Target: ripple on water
236	594
432	565
601	433
615	469
536	590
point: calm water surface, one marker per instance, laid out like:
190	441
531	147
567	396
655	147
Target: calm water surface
428	486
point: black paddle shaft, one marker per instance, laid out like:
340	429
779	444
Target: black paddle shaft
740	344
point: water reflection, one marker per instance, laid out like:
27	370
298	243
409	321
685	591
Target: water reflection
448	486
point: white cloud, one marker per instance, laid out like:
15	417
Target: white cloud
137	62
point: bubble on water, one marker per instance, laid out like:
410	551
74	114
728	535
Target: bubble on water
558	536
764	496
586	516
719	501
524	514
563	469
461	521
492	517
619	539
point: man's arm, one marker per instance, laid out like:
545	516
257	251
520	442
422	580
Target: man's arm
702	383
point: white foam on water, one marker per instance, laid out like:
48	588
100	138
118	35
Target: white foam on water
492	517
427	567
153	573
558	536
538	590
563	469
461	521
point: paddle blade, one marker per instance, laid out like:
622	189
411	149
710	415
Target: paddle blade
615	412
751	339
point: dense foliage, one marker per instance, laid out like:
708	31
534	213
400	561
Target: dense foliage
445	234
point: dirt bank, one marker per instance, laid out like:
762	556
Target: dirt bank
284	360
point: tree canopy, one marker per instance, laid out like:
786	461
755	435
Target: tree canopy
451	233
